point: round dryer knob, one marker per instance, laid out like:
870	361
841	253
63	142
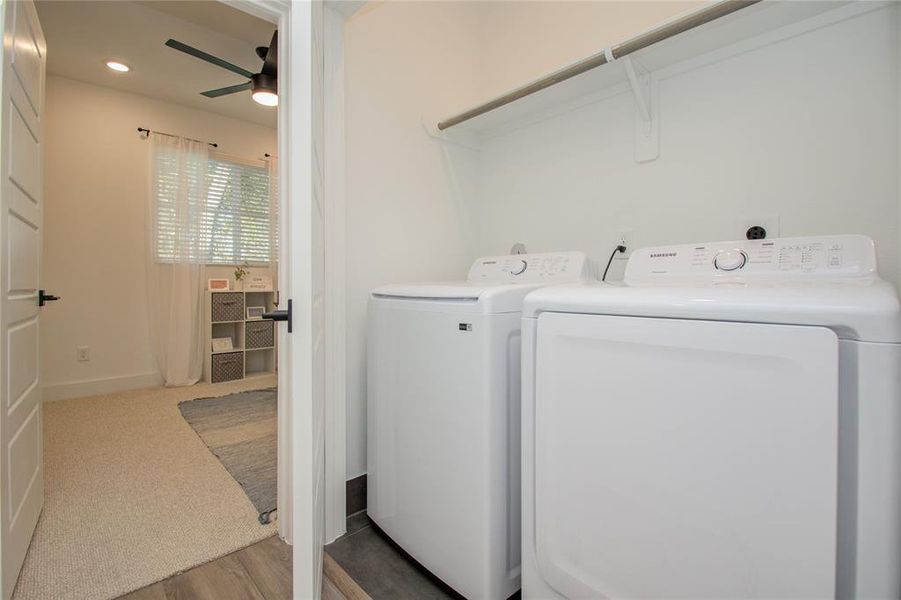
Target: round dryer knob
518	267
730	260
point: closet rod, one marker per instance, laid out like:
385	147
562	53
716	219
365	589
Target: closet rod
148	132
665	31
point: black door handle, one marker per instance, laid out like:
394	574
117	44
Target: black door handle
280	315
44	298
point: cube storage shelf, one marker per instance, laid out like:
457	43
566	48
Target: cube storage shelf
254	342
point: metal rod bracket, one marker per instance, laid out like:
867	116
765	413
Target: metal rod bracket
639	89
644	89
459	138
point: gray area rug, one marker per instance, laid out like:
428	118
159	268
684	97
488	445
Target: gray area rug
240	430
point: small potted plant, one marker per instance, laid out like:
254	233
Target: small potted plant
241	272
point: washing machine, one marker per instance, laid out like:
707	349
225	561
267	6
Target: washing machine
443	376
724	424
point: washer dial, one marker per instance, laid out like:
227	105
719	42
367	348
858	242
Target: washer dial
518	267
730	260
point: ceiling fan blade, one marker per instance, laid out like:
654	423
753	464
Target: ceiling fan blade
208	58
270	64
232	89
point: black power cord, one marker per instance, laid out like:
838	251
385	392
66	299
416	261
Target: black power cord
619	248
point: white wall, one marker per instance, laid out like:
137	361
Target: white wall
522	41
802	129
404	215
96	186
408	217
782	130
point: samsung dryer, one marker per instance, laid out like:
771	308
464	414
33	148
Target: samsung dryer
725	424
443	418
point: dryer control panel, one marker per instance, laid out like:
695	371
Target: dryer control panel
821	257
552	267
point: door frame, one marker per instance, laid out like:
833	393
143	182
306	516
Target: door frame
336	13
298	521
309	514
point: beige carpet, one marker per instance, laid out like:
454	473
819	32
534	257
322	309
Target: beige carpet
132	496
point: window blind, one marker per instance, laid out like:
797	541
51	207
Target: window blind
232	222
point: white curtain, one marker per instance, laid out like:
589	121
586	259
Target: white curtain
176	261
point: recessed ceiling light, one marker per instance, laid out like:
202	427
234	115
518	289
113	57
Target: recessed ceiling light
118	66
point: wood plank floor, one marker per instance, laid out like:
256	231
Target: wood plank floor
259	572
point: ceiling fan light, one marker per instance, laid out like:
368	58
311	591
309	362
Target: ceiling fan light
264	90
265	97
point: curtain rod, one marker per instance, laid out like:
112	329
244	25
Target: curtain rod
147	132
665	31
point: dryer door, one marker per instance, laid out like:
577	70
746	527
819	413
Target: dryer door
685	459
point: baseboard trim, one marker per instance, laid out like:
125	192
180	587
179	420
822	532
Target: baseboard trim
356	494
103	385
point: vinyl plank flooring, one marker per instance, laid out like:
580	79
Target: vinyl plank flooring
330	591
357	521
157	591
343	582
382	571
222	579
259	572
269	565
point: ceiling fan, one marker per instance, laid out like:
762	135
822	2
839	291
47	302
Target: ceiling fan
263	85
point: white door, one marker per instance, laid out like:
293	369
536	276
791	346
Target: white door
685	459
21	201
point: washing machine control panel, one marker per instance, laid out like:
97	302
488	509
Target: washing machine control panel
813	257
729	260
553	267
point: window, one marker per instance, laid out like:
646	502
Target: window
233	223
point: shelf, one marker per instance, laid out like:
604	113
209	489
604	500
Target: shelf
242	350
251	374
256	361
734	26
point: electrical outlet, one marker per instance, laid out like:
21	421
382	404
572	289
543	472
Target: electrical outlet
624	237
84	354
770	223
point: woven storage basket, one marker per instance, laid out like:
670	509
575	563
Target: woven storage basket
228	306
259	334
228	366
